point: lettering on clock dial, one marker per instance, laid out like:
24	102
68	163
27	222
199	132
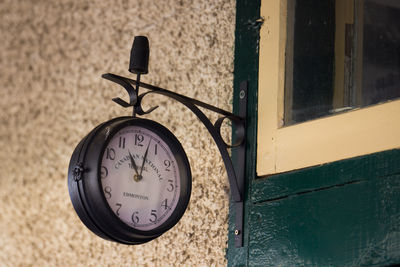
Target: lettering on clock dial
164	204
121	143
119	205
110	153
167	164
153	216
139	138
135	217
170	187
103	172
107	192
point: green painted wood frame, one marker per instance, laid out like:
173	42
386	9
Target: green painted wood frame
246	69
345	213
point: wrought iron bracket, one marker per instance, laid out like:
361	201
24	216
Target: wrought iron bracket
235	178
138	65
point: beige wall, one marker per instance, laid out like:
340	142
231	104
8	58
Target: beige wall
52	54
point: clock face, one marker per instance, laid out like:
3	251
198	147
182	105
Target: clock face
140	178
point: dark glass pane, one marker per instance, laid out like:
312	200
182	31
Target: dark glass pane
313	59
340	55
381	51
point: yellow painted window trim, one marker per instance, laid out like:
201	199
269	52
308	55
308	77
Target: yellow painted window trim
281	149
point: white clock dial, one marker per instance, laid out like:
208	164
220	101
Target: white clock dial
140	178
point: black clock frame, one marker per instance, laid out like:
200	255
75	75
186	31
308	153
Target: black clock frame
87	194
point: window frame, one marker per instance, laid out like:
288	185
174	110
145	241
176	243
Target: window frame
350	134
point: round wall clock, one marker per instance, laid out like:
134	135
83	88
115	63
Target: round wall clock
129	180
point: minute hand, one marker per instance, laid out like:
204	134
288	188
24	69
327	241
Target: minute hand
144	158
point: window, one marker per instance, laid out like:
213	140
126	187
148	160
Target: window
329	81
340	55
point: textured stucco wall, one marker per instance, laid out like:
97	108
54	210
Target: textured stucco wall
52	54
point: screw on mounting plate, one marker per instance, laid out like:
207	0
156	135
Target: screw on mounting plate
242	94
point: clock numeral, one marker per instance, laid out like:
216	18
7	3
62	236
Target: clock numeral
153	215
121	142
135	217
167	164
119	205
155	149
103	172
139	139
110	153
165	204
107	192
170	187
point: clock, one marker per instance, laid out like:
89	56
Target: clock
129	180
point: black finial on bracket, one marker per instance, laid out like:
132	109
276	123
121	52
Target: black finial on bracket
139	61
140	52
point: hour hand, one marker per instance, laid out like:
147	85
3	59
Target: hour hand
133	163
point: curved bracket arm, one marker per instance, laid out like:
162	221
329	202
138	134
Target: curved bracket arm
236	185
235	192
